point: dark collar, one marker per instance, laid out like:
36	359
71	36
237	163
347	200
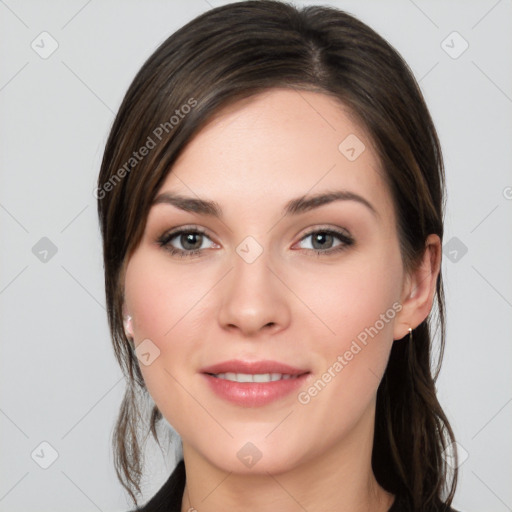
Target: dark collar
168	498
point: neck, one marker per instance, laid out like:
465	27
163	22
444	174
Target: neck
339	478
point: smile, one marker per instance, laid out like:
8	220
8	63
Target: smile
254	377
254	383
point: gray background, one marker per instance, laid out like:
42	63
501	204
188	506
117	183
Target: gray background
59	382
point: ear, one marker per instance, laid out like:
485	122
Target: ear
419	289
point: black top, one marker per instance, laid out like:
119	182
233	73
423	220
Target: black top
168	498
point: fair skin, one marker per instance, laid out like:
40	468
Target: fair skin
289	305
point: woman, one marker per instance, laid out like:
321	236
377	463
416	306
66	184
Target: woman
271	205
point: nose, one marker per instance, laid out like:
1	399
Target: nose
254	299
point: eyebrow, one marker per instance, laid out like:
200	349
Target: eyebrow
293	207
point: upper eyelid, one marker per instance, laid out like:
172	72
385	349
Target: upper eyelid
185	229
194	227
314	229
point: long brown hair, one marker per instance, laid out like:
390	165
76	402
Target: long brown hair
233	52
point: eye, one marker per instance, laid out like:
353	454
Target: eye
323	241
191	241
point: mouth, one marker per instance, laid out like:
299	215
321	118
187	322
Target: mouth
253	377
253	384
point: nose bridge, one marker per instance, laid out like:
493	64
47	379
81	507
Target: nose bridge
253	297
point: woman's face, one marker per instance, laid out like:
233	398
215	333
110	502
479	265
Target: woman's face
316	286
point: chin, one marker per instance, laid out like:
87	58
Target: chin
258	457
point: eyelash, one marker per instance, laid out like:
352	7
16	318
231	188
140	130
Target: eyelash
163	241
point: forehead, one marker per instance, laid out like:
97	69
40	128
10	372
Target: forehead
276	145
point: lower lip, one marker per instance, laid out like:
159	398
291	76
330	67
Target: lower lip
253	394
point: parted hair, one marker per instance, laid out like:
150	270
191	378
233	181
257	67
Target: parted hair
233	52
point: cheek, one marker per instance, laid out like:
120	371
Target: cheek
167	305
356	297
159	298
359	307
358	304
163	303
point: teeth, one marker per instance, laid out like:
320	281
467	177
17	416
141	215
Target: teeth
257	377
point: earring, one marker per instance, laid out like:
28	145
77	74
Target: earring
410	335
128	329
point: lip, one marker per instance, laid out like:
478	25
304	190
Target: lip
266	366
253	394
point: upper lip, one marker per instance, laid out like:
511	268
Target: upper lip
253	367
